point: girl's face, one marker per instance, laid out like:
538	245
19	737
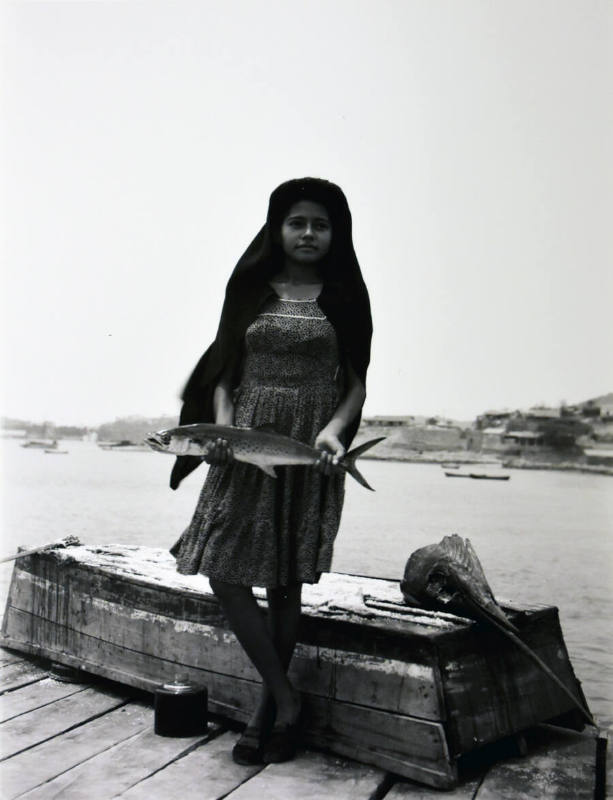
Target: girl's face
306	232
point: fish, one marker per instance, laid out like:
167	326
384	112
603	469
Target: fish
448	576
263	447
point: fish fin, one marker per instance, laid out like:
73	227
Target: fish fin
348	461
268	469
470	580
463	553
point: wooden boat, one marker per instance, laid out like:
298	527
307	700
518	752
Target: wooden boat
56	452
488	476
42	445
405	689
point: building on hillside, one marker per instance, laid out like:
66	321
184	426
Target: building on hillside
493	419
523	439
542	412
388	421
426	438
606	405
487	439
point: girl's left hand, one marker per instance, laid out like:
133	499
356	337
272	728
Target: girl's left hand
332	450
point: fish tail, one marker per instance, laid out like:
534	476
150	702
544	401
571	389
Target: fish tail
349	459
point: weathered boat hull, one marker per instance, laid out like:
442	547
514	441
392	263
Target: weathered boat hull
405	689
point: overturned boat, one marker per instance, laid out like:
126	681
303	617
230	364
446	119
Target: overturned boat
404	688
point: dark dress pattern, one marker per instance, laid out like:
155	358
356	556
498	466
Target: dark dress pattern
249	528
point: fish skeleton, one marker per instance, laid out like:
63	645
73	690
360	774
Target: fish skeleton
263	447
448	576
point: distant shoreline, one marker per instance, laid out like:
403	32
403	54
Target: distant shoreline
463	459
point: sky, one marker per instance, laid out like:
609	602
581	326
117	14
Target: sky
141	141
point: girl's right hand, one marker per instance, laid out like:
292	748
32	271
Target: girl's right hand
218	452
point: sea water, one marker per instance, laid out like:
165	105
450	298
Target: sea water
542	537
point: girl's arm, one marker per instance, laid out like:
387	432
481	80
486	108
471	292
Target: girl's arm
219	451
328	439
223	404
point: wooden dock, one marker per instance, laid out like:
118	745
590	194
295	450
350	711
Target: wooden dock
95	740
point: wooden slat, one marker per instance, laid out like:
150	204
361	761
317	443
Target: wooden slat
207	773
560	765
35	695
416	749
19	674
312	776
42	763
119	767
36	726
9	657
407	790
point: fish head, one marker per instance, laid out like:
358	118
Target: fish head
448	575
428	579
159	441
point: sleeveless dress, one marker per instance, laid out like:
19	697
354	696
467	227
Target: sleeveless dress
248	527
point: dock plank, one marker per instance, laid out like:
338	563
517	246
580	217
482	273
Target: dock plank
20	673
207	773
407	790
121	766
36	726
9	657
44	762
35	695
560	765
311	776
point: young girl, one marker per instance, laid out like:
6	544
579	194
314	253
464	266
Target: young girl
292	351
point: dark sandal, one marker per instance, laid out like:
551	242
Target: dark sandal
282	743
248	749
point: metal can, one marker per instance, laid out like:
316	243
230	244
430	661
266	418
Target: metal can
180	708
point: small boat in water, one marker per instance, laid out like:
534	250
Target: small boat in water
56	452
483	476
488	476
41	444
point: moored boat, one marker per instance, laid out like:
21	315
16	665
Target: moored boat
488	476
405	689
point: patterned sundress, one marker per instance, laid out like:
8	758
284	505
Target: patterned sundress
248	527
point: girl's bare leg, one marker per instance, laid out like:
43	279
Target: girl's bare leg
283	622
249	625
